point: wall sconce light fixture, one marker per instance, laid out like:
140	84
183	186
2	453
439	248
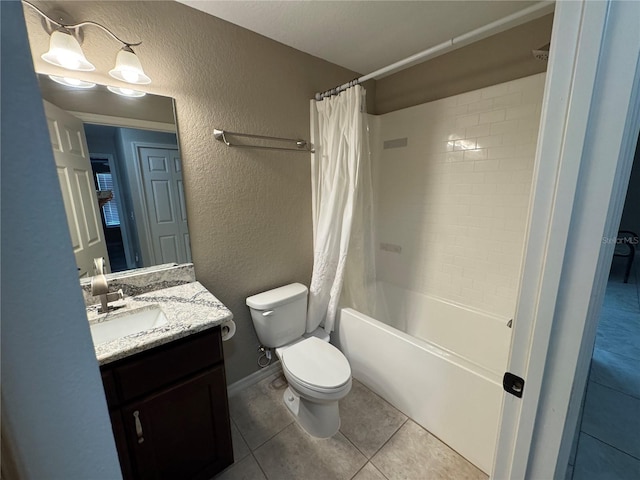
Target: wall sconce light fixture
65	51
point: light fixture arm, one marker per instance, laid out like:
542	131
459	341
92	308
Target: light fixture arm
76	26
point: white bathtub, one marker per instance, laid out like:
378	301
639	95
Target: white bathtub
449	382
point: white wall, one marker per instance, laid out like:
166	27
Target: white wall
54	413
455	199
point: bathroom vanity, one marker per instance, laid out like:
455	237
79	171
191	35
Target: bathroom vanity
165	383
168	409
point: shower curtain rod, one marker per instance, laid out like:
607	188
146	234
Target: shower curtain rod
536	10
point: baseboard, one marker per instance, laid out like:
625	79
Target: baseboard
254	378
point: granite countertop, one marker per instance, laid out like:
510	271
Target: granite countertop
189	308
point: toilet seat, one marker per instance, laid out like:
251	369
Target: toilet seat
316	365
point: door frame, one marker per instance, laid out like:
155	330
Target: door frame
139	202
122	211
125	122
589	128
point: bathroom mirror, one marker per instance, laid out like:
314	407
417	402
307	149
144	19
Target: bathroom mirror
120	174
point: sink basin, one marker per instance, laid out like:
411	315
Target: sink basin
127	324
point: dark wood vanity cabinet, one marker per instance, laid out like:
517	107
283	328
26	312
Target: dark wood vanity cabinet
169	410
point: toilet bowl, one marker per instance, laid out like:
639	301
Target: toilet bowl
317	373
319	376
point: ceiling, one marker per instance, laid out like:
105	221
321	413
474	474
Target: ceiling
362	36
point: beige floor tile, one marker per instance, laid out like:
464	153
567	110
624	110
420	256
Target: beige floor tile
415	454
295	455
246	469
259	411
367	420
369	472
240	447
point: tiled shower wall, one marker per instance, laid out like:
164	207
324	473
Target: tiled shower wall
452	199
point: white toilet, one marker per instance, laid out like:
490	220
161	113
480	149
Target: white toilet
317	372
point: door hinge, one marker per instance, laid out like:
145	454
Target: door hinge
513	384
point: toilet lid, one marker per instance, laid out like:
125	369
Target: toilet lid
317	363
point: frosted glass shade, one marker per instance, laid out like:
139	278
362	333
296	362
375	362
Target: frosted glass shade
128	68
64	51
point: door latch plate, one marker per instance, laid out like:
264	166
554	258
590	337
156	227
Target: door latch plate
513	384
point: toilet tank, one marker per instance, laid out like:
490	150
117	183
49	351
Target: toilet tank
279	315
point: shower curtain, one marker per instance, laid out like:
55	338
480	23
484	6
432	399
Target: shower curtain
343	262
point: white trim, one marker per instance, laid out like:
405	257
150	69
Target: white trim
99	119
589	51
609	145
246	382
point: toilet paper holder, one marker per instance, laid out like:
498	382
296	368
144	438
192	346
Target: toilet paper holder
227	329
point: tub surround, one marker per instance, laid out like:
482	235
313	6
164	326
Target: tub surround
189	308
452	204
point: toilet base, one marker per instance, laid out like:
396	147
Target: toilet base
320	420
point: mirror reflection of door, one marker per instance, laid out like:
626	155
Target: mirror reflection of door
71	155
164	202
144	223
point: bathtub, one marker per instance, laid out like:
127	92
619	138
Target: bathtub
444	370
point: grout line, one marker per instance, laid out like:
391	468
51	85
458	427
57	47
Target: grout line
356	447
377	470
259	466
612	446
614	388
242	437
391	436
274	435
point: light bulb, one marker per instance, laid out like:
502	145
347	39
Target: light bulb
130	76
68	60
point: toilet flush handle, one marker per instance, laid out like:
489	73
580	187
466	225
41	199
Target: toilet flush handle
267	313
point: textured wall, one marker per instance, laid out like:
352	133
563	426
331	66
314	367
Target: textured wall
455	199
500	58
54	413
249	211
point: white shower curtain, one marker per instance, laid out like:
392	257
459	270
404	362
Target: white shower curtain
342	220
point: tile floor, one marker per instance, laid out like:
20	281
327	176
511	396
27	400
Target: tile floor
607	445
375	442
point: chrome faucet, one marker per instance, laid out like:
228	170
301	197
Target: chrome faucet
100	286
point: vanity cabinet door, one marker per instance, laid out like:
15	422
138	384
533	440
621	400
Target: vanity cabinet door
182	432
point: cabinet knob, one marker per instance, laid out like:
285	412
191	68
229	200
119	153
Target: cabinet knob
136	415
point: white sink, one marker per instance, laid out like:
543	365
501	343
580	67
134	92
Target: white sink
128	323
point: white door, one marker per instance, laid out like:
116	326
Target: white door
164	200
78	189
590	123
